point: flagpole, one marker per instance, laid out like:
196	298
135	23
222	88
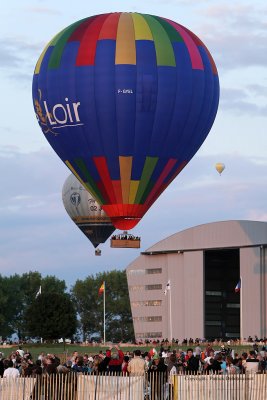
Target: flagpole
38	294
241	310
170	316
168	289
104	306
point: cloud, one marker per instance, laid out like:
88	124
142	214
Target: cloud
36	232
239	101
257	216
17	55
257	90
31	211
200	195
8	55
24	176
188	3
42	10
231	11
236	34
239	50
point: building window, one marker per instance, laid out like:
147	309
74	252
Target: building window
154	287
213	293
154	271
149	303
136	287
136	272
146	335
231	334
148	319
233	305
148	271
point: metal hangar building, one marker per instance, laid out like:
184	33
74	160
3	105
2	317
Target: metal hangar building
184	286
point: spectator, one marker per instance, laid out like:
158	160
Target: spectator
137	365
180	359
37	369
90	367
147	359
236	368
74	355
157	377
1	365
252	363
211	356
262	362
172	367
11	371
101	364
85	360
116	360
198	350
124	366
20	352
191	362
214	365
208	350
78	365
244	357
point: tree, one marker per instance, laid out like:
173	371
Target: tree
51	316
30	284
8	304
89	306
17	293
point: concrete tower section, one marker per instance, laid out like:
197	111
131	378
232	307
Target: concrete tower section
184	285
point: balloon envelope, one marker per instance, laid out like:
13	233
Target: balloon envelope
85	212
220	167
126	100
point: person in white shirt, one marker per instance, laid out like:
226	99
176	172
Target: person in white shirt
207	359
252	363
11	371
20	352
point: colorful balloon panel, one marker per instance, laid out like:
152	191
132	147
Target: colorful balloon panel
126	100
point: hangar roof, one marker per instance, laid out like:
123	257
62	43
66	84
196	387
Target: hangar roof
215	235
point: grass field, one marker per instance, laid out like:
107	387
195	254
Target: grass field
58	349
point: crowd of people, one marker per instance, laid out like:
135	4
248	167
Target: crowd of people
194	360
158	366
125	236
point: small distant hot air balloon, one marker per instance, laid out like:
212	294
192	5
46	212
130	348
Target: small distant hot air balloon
220	167
126	100
85	212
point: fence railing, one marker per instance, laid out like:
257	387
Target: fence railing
156	386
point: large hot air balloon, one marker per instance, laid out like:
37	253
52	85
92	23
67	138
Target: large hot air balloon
126	100
85	212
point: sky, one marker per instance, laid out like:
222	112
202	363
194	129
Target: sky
36	234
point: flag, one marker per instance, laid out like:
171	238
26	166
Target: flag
168	287
238	286
39	292
101	289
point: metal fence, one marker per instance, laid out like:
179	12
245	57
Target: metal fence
156	386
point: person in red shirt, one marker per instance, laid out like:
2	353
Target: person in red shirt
116	359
